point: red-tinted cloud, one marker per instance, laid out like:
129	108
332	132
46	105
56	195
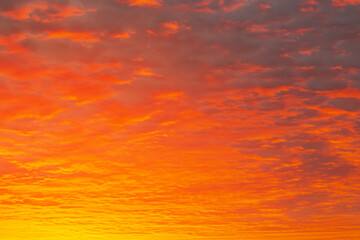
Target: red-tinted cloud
345	2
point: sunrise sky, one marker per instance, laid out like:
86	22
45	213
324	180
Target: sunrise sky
179	119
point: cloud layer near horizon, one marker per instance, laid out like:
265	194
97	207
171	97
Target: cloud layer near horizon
179	119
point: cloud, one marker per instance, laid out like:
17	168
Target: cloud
248	110
347	104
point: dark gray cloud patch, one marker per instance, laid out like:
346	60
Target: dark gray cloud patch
350	104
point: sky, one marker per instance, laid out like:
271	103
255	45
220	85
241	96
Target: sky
179	119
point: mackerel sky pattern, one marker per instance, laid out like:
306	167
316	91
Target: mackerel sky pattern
179	119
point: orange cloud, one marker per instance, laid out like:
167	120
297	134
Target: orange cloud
74	36
45	13
24	12
150	3
146	72
124	35
63	13
173	26
11	43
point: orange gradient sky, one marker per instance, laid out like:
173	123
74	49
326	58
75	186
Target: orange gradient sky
179	120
